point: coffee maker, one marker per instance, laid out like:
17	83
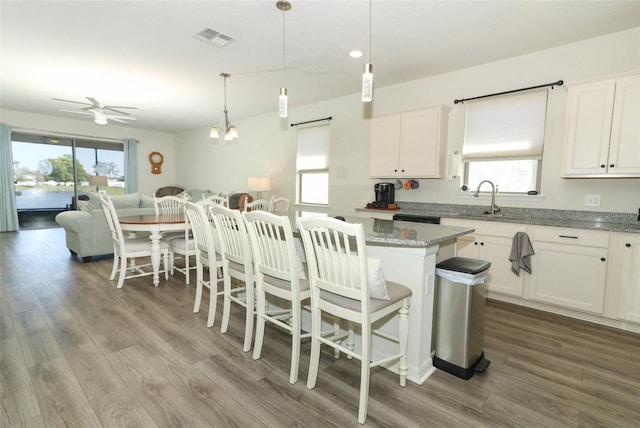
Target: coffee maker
385	197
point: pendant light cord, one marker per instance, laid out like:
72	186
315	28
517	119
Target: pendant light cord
284	52
369	36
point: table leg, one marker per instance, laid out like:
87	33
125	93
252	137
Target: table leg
155	254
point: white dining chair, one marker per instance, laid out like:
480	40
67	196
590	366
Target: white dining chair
279	204
237	264
126	250
256	205
341	285
279	273
206	256
169	205
220	200
184	246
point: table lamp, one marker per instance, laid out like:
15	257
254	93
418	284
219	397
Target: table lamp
259	185
98	180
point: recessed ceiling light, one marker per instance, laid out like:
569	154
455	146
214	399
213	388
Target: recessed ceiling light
355	54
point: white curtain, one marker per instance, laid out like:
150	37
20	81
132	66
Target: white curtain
8	210
131	165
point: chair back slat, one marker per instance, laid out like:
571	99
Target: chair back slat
113	223
169	204
273	245
232	233
256	205
336	256
201	227
279	204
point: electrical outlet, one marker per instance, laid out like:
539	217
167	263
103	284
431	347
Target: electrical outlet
591	200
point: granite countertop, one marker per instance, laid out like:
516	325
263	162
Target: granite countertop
420	235
388	232
589	220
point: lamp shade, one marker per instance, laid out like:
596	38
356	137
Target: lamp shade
259	184
98	180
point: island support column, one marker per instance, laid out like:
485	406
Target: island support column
414	268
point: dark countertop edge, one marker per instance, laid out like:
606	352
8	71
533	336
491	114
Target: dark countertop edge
534	221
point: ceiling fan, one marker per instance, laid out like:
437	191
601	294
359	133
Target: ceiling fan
99	111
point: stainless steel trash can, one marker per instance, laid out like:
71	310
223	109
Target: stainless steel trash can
460	300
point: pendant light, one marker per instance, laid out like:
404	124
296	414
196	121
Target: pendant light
230	131
282	99
367	76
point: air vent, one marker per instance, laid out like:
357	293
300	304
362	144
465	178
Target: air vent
213	37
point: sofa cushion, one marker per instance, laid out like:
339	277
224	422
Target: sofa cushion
146	201
131	200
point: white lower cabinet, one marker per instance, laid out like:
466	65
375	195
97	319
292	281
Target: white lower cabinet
625	277
491	242
569	268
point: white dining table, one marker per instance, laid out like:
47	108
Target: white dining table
155	224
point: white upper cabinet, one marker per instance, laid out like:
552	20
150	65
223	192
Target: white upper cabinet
603	129
409	145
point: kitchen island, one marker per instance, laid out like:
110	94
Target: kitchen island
409	252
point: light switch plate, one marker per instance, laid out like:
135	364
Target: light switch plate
591	200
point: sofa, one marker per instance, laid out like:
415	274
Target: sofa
86	230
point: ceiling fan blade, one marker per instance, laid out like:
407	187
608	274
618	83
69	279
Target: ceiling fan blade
119	119
78	112
114	109
70	101
95	102
114	117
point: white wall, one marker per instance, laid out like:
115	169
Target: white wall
148	141
267	146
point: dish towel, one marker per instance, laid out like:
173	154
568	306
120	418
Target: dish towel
521	252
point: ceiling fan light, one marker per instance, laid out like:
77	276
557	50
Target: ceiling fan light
100	119
233	132
214	132
228	136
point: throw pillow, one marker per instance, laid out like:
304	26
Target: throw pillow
377	283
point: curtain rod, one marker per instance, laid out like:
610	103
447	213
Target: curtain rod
311	121
558	83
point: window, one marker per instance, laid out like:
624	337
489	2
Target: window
503	141
47	177
312	165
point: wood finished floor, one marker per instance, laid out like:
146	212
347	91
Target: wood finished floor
77	352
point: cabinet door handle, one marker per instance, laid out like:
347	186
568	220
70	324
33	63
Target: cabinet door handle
475	243
628	245
482	243
568	236
603	166
612	166
602	259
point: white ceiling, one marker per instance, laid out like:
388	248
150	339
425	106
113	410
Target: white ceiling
143	54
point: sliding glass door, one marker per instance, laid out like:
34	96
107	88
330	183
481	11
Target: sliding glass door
51	172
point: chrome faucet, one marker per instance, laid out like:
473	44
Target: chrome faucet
494	208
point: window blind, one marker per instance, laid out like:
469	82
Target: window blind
313	148
507	127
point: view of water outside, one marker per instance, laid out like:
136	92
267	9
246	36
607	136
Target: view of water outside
55	188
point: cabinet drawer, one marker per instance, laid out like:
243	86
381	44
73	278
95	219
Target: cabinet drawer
586	238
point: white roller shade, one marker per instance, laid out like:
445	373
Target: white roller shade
506	127
313	148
